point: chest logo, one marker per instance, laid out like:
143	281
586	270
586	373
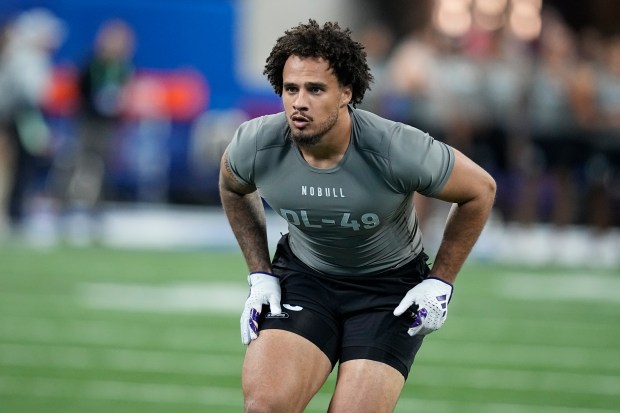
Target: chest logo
325	192
301	219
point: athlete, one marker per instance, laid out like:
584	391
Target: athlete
349	283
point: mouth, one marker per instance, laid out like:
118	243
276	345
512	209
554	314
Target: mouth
299	121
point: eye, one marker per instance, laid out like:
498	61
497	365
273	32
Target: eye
290	89
316	90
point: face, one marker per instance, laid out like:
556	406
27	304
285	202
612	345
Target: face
313	99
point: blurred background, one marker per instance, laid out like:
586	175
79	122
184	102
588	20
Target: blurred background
114	105
121	282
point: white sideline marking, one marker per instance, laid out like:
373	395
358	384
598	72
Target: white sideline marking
83	358
223	396
560	287
48	330
149	361
228	298
118	390
186	297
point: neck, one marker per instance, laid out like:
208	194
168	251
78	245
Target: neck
330	151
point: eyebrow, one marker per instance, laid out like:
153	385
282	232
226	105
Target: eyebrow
307	84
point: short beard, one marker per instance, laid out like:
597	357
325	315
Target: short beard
302	139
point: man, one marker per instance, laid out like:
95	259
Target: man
349	283
103	80
27	45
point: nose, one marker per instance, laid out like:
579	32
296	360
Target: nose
300	102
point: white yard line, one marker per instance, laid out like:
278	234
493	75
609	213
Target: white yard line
80	358
112	333
223	396
71	357
406	405
178	297
121	391
560	287
228	298
605	359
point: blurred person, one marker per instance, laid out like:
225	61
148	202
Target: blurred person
608	91
377	40
411	97
409	94
445	84
349	282
591	46
603	167
553	102
459	85
79	172
453	105
25	75
501	143
5	150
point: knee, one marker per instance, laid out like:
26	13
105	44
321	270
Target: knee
266	403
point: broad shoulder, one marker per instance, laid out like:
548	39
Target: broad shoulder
375	133
265	131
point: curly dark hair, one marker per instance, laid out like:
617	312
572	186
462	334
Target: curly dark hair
346	57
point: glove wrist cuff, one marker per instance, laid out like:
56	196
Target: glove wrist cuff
256	275
439	279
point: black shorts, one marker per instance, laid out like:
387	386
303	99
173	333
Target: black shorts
348	317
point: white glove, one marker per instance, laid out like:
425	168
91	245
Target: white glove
264	289
429	300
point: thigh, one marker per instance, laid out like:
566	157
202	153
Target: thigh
370	329
282	371
380	336
366	386
309	304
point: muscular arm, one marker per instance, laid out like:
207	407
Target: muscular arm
472	190
245	212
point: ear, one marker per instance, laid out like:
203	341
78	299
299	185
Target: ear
345	95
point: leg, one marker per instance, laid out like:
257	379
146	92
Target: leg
23	174
6	168
377	352
366	386
282	371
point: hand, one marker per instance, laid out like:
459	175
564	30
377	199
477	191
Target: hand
429	300
264	289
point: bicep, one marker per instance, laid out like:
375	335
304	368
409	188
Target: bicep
467	181
229	181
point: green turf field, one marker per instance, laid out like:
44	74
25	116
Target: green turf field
98	330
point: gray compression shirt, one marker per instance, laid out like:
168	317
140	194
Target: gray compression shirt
357	217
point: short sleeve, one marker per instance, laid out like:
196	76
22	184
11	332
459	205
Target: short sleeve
242	153
418	162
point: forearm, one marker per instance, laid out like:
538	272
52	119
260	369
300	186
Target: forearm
246	216
463	227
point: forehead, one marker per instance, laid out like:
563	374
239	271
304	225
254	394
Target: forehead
308	68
